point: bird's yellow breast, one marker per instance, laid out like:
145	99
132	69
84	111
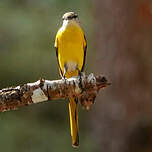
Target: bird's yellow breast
70	43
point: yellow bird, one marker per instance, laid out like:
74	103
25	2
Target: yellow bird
70	44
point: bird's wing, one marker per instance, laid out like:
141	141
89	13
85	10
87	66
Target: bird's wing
56	48
85	49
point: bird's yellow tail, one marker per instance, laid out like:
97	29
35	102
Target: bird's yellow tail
73	112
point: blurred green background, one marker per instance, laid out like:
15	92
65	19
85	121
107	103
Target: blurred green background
119	36
27	33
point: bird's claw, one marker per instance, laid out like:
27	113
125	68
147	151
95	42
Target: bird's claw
64	79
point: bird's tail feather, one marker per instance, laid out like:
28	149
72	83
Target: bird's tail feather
73	112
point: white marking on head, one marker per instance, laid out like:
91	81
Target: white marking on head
70	22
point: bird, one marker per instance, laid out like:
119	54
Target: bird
71	46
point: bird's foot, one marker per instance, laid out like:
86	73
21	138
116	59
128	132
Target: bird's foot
80	74
64	79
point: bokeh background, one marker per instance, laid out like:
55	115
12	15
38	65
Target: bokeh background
119	36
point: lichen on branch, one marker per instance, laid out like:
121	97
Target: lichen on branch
85	88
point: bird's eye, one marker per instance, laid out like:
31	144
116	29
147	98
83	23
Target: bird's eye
75	16
69	17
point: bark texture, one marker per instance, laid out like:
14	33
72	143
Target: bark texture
84	87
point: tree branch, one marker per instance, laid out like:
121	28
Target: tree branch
85	88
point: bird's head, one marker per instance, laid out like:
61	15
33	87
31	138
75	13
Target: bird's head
70	17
